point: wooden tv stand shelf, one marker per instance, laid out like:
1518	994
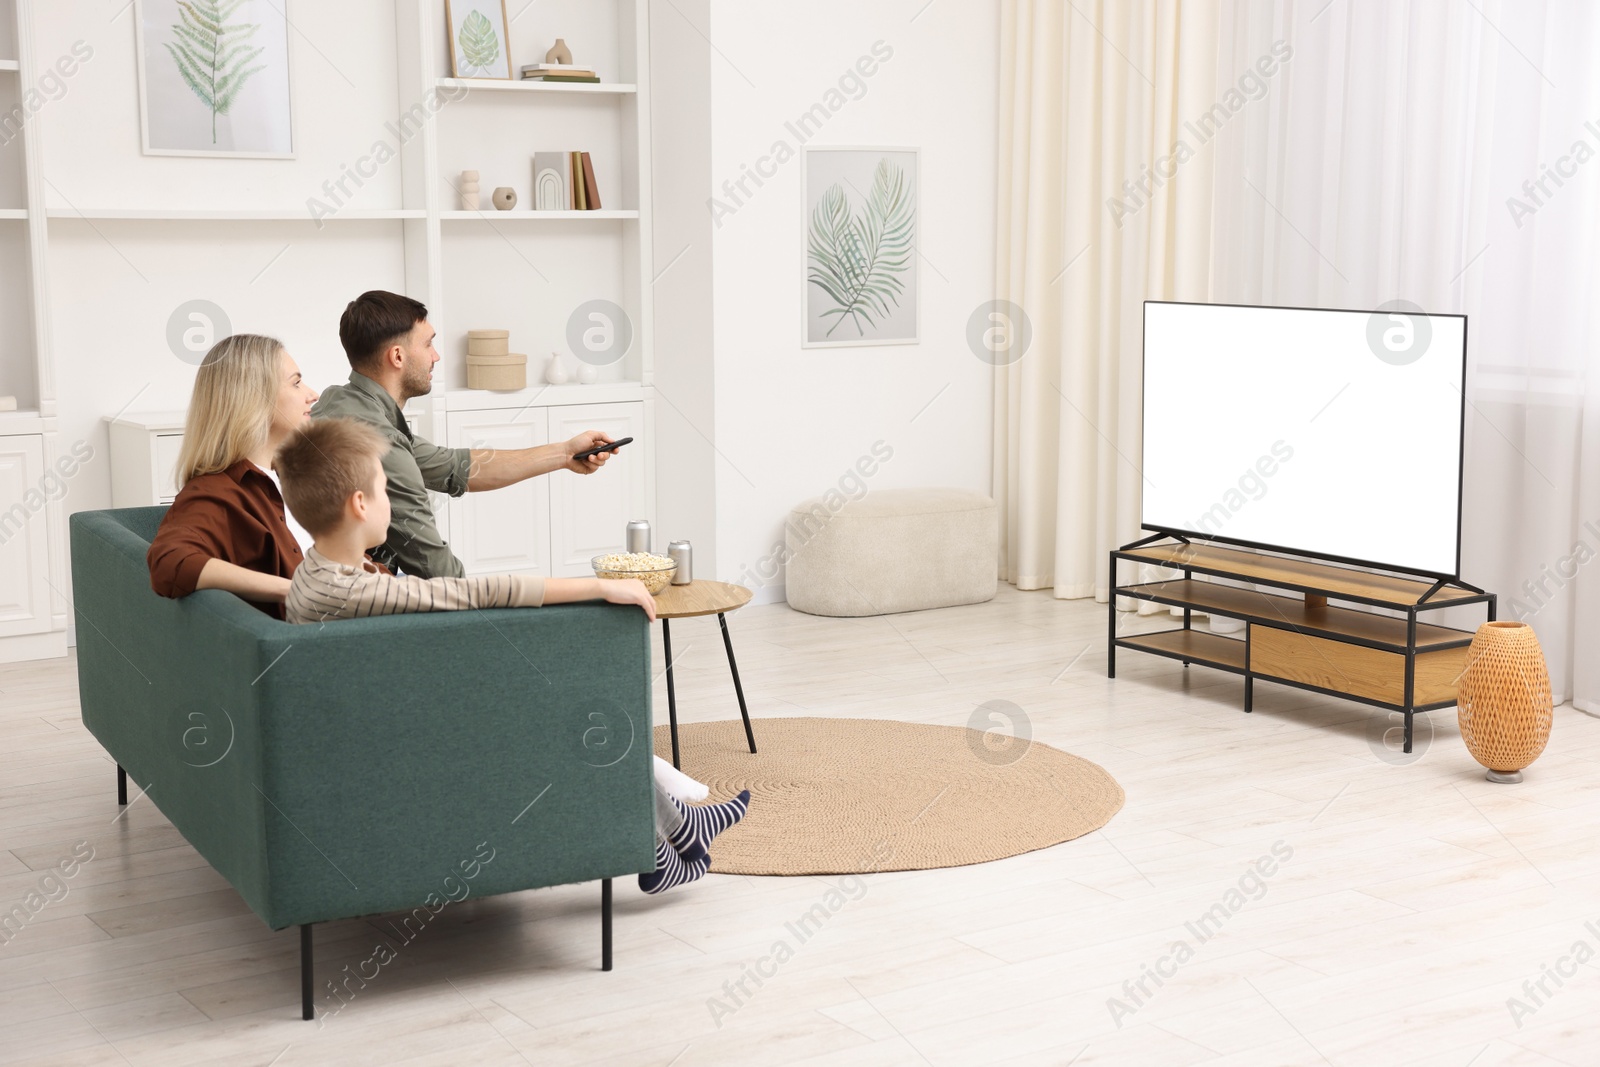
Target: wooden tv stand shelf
1395	663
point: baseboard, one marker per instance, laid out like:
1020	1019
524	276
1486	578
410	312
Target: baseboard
52	645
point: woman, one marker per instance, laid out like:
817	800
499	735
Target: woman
227	528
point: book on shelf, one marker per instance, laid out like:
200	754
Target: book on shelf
559	78
575	169
559	70
564	181
591	191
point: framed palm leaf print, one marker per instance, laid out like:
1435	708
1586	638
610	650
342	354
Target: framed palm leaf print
214	78
861	228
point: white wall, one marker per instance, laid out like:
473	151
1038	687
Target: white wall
685	414
791	421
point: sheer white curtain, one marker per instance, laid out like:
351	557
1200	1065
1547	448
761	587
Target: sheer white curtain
1390	163
1092	95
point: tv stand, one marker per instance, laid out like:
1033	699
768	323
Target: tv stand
1395	663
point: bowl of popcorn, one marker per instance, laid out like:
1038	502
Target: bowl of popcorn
654	571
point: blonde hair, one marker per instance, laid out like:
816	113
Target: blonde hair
230	412
325	462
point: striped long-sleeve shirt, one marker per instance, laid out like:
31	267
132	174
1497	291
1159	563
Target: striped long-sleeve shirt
323	590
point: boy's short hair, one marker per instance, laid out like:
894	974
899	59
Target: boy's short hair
322	464
375	320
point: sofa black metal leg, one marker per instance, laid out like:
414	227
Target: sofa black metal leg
672	696
306	1010
605	924
727	642
122	786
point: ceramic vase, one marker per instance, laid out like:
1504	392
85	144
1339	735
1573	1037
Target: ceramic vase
556	372
1503	699
505	198
559	53
588	374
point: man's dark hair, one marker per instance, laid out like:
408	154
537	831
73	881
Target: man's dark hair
375	320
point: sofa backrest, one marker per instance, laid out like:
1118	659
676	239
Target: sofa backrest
346	768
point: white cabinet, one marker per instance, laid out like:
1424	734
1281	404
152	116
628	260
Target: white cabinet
24	544
144	458
589	513
554	524
507	530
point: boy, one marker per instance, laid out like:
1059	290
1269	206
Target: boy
333	483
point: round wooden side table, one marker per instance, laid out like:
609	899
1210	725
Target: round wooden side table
687	602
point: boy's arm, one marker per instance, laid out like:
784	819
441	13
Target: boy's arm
380	594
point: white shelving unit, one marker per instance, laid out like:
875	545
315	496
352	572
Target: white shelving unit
33	559
522	270
465	264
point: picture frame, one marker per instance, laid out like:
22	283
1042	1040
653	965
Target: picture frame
851	195
242	110
479	37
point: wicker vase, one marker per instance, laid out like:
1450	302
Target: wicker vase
1504	699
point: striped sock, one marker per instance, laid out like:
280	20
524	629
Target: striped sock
671	870
701	824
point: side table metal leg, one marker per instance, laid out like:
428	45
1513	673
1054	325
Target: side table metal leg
122	786
1249	693
727	642
672	696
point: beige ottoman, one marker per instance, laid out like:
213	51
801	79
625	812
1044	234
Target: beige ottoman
892	550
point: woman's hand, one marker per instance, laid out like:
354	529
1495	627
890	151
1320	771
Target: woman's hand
629	591
243	582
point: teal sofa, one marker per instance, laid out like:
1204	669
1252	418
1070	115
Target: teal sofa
369	765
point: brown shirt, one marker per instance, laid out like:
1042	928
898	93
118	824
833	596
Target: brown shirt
234	515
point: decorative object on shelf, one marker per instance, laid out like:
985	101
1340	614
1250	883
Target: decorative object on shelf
488	342
469	190
505	198
844	303
8	403
478	36
559	53
588	373
502	372
551	181
1504	700
556	372
214	78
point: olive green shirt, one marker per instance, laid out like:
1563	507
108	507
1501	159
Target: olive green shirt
413	466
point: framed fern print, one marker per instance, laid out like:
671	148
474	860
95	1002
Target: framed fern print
861	230
214	78
478	38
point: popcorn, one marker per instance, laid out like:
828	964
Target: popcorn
654	571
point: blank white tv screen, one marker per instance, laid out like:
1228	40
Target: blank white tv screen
1329	433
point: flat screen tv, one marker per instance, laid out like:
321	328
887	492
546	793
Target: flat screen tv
1328	433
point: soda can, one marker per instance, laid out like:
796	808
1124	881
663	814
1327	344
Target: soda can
682	553
639	535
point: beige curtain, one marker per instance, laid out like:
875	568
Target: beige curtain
1093	95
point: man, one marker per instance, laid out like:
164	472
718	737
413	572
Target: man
389	343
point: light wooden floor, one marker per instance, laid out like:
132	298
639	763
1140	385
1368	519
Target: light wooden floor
1417	900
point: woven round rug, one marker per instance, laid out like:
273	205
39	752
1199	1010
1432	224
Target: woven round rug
853	796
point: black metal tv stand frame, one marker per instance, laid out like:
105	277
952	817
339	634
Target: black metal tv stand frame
1398	664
